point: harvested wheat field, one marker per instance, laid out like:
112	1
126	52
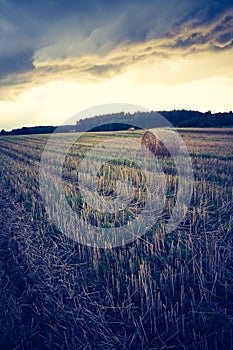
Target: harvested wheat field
162	291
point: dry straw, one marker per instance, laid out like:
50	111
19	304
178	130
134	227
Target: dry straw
152	143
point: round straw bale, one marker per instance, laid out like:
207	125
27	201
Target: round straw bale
152	143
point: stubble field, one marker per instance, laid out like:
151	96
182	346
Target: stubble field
162	291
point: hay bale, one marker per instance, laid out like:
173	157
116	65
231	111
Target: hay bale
152	144
131	129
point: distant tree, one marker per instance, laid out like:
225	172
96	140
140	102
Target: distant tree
3	132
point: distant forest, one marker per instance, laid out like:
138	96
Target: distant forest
178	118
123	121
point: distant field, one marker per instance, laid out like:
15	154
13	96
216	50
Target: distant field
163	291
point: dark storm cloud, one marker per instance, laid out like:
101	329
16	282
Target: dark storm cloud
101	37
213	34
9	64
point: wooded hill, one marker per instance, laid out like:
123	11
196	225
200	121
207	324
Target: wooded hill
178	118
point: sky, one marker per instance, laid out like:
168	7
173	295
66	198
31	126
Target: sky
58	58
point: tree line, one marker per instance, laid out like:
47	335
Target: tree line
178	118
123	121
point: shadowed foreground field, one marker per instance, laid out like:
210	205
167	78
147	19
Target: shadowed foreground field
163	291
